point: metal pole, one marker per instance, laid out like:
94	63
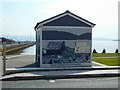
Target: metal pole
4	58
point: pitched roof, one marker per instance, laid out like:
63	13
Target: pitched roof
66	19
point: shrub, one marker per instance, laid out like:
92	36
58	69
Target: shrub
94	51
104	51
116	51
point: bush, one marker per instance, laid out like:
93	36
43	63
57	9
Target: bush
116	51
104	51
94	51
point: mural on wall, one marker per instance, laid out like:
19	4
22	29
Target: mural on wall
64	47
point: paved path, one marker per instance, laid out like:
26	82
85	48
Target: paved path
20	61
97	64
27	61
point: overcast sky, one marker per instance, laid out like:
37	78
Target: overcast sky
18	17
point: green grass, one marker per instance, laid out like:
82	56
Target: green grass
105	54
108	61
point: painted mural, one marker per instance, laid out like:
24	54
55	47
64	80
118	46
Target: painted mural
62	47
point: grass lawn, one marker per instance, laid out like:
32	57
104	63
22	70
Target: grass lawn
108	61
105	54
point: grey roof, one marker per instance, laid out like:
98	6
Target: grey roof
65	21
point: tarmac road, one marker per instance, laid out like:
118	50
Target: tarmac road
64	83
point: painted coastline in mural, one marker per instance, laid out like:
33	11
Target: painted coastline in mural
66	46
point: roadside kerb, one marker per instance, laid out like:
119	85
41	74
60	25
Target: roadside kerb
20	70
69	76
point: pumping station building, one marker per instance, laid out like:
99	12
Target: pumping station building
64	40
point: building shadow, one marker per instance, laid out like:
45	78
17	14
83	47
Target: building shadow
31	65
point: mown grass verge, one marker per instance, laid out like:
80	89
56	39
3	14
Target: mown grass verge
108	61
105	54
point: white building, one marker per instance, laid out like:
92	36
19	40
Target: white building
64	40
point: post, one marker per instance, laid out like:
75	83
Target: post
4	58
40	46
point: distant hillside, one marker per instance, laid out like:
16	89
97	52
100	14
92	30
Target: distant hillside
61	35
117	40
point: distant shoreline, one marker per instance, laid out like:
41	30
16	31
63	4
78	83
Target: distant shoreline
116	40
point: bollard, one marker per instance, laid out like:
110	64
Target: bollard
4	58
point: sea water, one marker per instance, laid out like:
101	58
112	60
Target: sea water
109	46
